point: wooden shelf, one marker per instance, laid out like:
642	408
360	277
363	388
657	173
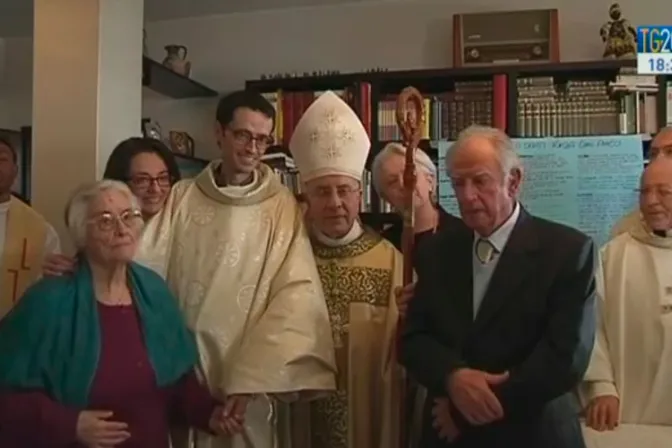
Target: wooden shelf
166	82
438	79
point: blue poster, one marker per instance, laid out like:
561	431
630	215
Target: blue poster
588	183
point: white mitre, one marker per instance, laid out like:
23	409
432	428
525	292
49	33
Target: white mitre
329	140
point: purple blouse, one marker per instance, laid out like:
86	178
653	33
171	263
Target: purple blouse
124	384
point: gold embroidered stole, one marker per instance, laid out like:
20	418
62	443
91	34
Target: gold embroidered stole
358	281
21	262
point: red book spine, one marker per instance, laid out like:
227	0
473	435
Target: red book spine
287	117
365	108
499	100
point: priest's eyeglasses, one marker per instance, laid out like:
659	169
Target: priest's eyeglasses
661	192
107	221
144	182
244	138
657	151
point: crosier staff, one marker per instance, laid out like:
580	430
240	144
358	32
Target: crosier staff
410	115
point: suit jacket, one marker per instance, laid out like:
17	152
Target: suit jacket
537	321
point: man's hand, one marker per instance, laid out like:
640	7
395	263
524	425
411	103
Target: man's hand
443	421
236	406
222	425
56	265
471	393
403	295
602	413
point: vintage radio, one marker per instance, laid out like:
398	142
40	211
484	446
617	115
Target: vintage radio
509	37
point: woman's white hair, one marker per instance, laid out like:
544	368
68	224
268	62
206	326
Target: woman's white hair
421	159
506	151
77	209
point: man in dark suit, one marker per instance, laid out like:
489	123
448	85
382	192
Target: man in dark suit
501	325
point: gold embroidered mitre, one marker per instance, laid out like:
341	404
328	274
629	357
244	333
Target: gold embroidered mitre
329	140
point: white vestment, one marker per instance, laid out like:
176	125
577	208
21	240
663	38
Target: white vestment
632	357
240	262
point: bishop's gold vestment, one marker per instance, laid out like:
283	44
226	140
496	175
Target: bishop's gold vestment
359	281
240	262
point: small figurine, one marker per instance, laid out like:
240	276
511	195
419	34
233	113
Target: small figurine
619	36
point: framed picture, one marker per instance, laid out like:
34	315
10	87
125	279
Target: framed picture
20	141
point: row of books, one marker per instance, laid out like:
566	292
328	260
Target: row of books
290	106
546	107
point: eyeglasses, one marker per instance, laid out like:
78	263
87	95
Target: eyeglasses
657	151
661	192
107	221
244	138
144	182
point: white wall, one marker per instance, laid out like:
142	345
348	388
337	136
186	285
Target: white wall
16	82
227	50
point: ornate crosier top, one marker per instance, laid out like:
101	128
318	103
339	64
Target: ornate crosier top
410	115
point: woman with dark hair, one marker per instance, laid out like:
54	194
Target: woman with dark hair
148	167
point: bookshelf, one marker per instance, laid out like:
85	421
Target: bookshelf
536	100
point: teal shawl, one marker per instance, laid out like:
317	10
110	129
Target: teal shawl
51	339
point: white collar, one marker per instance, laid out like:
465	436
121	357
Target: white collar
354	233
499	237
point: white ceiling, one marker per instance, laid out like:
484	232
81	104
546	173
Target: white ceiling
16	16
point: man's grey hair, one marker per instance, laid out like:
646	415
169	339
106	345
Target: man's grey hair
422	161
506	151
77	209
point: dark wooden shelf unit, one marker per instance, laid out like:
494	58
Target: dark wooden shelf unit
166	82
191	158
433	81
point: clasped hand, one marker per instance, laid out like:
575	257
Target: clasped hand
602	413
229	419
443	421
471	392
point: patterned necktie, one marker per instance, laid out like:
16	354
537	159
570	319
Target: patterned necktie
485	251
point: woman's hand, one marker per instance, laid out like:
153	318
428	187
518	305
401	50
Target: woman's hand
56	265
96	430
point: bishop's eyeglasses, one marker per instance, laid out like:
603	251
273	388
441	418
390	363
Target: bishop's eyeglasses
108	221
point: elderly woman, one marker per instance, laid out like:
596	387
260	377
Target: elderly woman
388	172
101	357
